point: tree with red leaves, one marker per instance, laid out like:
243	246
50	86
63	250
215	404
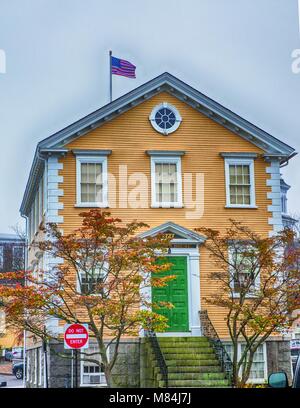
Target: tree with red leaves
100	279
257	283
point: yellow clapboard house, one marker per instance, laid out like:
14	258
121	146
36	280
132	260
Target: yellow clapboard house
163	130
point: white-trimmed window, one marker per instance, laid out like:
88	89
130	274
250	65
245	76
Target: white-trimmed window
1	257
258	372
91	176
36	361
165	118
89	282
36	212
243	269
166	182
91	277
92	374
2	323
28	367
240	186
40	366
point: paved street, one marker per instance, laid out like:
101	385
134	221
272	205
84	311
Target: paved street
11	380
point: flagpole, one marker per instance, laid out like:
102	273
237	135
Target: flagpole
110	77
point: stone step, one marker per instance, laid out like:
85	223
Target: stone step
184	340
187	350
193	362
188	356
187	346
191	369
193	376
195	383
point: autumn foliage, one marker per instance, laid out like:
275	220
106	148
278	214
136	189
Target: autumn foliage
257	283
101	275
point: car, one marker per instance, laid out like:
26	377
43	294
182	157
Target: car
18	370
8	356
280	379
17	353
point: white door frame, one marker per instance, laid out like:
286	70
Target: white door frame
193	280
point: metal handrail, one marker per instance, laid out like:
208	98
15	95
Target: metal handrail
209	331
158	355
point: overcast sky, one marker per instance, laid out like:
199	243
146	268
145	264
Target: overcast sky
237	52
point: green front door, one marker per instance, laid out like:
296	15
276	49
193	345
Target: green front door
175	292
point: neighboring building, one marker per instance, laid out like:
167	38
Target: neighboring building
287	220
12	249
172	134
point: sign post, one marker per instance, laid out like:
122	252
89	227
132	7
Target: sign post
76	337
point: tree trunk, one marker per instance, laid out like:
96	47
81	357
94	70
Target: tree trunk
109	378
235	371
246	370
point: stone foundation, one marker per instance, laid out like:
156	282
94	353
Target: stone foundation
279	357
133	368
61	368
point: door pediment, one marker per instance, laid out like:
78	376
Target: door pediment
181	234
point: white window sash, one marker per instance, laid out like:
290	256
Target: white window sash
40	362
98	160
256	283
245	162
81	274
102	375
35	366
253	380
166	160
28	367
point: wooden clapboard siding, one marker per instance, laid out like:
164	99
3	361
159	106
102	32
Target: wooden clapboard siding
131	134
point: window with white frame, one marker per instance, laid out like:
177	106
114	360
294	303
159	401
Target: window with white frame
1	257
91	277
258	372
2	323
36	362
40	365
244	268
240	187
91	174
28	367
36	212
92	373
166	182
165	118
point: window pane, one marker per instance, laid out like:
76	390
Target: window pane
166	182
91	182
239	184
92	373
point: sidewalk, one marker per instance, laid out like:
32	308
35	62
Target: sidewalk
5	368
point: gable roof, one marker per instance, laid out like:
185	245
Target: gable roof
163	83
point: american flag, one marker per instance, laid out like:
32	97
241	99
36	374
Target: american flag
122	67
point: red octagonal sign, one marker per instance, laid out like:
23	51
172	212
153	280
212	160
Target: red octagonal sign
76	336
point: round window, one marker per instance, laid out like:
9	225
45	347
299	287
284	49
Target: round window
165	118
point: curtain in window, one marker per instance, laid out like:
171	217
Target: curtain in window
166	182
239	184
91	183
